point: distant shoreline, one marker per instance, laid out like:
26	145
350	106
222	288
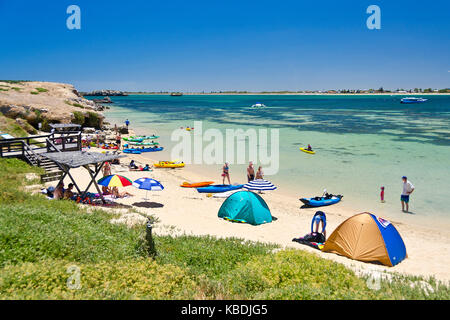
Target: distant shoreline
286	94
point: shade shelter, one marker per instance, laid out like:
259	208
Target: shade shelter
64	127
91	161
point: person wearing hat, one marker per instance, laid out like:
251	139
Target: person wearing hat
408	188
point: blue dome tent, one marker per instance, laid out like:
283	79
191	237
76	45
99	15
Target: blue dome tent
246	207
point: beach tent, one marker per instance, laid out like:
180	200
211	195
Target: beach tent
369	238
247	207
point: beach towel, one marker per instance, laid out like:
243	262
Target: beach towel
313	239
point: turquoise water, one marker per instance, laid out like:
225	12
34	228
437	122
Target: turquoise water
361	143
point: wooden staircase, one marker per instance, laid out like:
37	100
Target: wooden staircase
29	149
52	171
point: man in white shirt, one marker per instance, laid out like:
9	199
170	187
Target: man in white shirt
408	188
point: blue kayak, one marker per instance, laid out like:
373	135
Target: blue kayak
140	150
216	188
134	151
321	201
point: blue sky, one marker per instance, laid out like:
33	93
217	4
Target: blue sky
227	45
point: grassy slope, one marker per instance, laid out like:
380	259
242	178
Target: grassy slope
41	239
10	126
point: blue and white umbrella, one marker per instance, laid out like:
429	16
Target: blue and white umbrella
259	185
148	184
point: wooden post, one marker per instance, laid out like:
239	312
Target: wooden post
93	177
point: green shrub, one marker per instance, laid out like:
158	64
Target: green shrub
295	274
132	279
38	229
10	126
78	118
34	92
92	120
208	255
41	90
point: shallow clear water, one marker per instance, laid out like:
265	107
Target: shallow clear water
361	143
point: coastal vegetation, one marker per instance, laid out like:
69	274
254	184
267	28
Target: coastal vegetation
42	242
15	128
90	119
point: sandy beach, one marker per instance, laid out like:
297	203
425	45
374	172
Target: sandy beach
185	211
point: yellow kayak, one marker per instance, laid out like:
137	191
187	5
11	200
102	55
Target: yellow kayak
168	164
305	150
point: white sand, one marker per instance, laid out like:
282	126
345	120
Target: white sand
186	211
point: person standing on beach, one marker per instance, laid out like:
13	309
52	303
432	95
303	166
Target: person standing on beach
226	173
118	141
250	172
127	123
382	195
107	169
408	188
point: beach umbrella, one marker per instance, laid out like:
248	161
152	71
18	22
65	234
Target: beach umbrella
148	184
259	185
115	180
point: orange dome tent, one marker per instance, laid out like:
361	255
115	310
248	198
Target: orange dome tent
366	237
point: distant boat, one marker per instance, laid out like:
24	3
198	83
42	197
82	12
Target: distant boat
258	105
413	100
176	94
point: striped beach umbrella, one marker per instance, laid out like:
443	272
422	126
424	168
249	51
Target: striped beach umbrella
115	180
259	185
148	184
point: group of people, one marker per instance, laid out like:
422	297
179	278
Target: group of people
61	193
408	188
251	174
134	167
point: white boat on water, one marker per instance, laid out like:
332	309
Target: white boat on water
412	100
258	106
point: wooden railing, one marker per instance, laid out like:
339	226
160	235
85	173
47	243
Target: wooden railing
26	147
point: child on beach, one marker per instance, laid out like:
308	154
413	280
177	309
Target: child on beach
382	195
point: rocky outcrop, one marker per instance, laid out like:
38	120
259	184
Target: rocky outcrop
45	102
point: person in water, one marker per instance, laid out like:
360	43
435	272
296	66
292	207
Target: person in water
226	173
408	188
259	173
250	172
